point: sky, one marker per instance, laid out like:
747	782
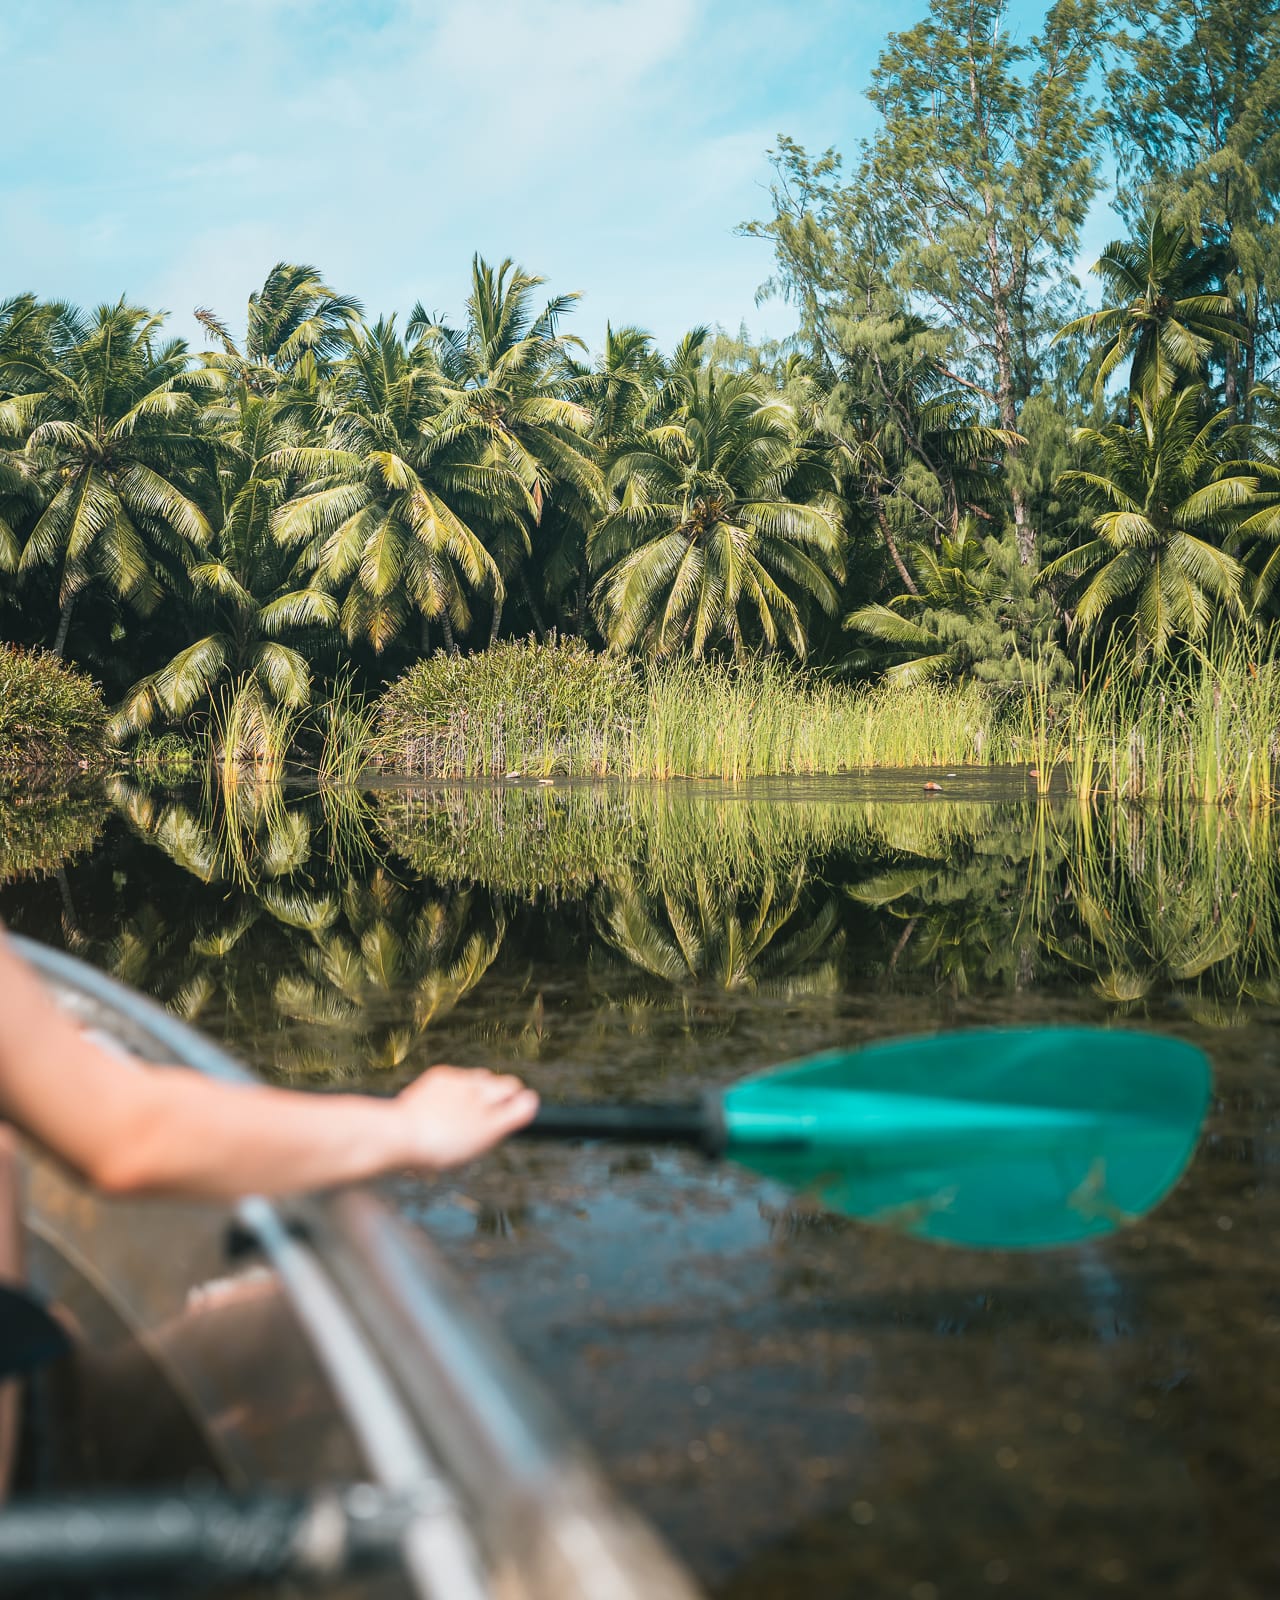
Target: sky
174	150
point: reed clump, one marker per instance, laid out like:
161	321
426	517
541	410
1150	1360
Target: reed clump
519	708
758	719
249	736
1208	733
53	720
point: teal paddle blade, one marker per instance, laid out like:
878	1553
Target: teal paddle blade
1016	1138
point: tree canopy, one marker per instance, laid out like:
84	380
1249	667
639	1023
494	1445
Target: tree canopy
962	459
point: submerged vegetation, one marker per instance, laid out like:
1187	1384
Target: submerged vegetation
957	516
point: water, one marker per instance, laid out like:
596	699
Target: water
805	1406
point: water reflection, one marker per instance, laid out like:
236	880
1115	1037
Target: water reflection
352	926
805	1405
41	832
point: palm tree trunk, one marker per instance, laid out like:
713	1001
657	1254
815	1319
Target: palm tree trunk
64	625
446	627
581	600
898	562
497	620
538	624
1250	352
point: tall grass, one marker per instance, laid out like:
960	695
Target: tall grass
532	710
349	722
1209	734
730	722
249	737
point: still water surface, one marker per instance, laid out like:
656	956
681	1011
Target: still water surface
803	1405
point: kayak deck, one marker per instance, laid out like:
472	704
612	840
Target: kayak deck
336	1346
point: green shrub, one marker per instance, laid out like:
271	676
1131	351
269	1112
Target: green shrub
520	707
52	719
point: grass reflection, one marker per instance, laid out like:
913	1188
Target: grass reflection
1177	904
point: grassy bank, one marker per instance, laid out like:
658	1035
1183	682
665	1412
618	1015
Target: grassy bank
541	711
1207	734
53	720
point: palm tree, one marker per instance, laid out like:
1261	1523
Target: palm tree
957	577
391	505
247	588
511	378
24	329
1169	502
1163	314
624	390
703	531
623	387
294	325
109	450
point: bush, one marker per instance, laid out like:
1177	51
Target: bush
519	707
52	719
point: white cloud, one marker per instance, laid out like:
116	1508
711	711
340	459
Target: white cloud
612	144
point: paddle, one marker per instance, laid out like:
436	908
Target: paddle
1007	1138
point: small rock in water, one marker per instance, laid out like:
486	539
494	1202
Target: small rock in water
510	774
950	774
933	788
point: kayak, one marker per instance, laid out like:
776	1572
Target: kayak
306	1374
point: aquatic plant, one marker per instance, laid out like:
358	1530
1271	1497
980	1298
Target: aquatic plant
518	708
1208	734
734	722
349	727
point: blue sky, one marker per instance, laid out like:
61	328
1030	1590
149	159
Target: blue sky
175	149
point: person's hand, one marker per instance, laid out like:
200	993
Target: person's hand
453	1114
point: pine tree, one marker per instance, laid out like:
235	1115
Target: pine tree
1194	106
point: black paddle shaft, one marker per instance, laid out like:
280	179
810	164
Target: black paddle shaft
695	1122
209	1535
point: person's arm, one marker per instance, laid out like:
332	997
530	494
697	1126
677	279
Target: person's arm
131	1129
